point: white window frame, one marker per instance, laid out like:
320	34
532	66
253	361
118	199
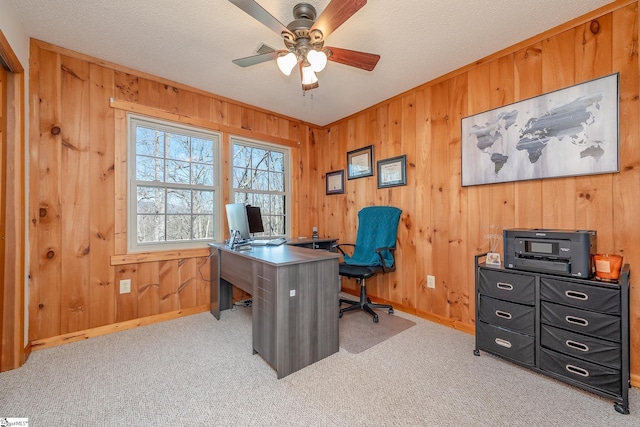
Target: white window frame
133	121
233	139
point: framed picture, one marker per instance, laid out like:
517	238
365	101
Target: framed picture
392	172
360	162
335	182
568	132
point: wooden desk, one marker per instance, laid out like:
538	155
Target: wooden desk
294	300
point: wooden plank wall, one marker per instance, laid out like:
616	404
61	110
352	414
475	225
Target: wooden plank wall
77	194
442	223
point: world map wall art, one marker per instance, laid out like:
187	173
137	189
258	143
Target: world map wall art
568	132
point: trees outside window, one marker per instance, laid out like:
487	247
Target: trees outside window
174	190
261	177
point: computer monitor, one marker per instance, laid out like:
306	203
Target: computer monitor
238	223
255	219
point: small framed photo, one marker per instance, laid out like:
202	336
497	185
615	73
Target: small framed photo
335	182
360	162
392	172
493	258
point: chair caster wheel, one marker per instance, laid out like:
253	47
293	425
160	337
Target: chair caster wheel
340	315
620	408
476	352
375	319
391	311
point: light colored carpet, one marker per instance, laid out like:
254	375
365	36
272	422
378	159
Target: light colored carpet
198	371
358	332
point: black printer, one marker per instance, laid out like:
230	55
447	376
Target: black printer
562	252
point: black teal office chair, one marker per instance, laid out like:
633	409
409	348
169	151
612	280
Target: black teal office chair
373	253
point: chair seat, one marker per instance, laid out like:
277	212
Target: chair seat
358	271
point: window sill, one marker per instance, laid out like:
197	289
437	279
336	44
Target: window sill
136	258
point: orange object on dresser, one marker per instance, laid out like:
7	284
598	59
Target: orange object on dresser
607	266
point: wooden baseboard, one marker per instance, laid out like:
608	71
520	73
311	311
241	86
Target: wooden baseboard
635	381
116	327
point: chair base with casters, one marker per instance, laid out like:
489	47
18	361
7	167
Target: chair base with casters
361	273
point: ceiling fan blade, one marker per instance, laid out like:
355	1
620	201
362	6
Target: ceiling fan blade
334	15
256	59
261	15
353	58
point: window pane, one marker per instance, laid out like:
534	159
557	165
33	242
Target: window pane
241	156
201	150
203	202
277	162
178	227
178	172
202	174
276	182
149	142
203	227
178	201
149	169
259	159
179	147
150	200
260	181
242	198
241	178
150	228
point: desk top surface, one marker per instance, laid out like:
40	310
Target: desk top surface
279	255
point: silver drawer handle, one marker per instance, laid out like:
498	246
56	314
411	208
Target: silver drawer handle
503	314
577	295
576	370
577	345
576	320
503	343
504	286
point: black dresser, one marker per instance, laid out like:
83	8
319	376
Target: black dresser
574	330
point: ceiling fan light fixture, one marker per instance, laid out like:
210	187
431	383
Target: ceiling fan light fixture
309	78
317	59
287	62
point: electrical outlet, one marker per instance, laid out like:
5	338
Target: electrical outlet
125	286
431	282
292	292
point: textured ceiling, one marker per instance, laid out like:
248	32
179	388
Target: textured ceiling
193	42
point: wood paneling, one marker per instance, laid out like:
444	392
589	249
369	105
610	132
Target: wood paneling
78	194
443	224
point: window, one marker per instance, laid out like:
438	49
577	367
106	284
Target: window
174	194
261	178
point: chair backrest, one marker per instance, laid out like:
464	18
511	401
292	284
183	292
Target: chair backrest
377	228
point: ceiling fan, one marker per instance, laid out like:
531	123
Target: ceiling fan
304	39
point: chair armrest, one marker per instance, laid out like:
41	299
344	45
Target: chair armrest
392	267
340	245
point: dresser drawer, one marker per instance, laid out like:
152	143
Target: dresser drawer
597	376
506	343
592	297
510	315
582	321
508	286
581	346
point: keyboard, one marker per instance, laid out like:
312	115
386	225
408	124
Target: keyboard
273	242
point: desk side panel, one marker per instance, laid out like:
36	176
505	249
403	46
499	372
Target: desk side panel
214	263
308	321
